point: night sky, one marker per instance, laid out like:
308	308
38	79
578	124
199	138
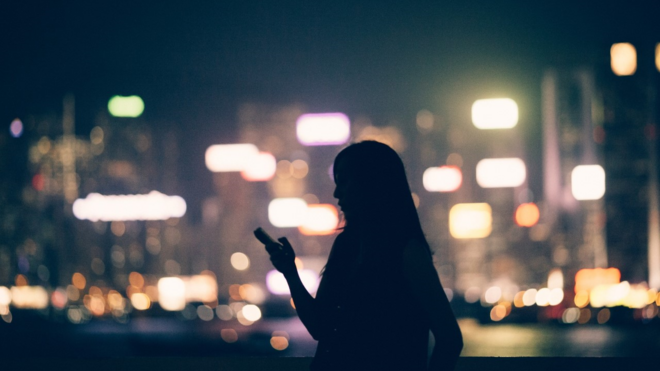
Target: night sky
195	63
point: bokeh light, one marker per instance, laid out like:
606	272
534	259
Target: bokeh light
470	220
527	214
230	157
499	113
501	172
442	179
320	129
320	220
588	182
623	59
16	128
260	168
152	206
239	261
287	212
126	106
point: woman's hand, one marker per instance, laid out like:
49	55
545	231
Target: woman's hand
282	256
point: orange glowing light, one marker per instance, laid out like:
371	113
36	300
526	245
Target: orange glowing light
79	281
587	279
136	279
527	214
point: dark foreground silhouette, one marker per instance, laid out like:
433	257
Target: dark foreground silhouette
379	294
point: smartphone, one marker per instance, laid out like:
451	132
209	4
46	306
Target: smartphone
264	237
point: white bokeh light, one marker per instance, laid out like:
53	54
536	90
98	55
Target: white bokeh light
152	206
318	129
499	113
287	212
501	172
230	157
442	179
588	182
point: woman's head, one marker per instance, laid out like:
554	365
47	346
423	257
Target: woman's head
372	188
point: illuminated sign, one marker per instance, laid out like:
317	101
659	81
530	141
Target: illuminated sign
319	129
500	113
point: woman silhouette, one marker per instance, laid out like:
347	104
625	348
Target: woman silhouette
380	293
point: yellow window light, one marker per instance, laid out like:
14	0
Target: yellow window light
470	220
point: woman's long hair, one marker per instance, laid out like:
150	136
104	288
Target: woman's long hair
385	218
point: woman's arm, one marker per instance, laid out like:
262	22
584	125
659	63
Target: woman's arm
426	287
283	258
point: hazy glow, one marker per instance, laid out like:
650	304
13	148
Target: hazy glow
320	220
230	157
500	113
16	128
239	261
623	58
152	206
501	172
657	56
587	279
129	106
172	293
260	168
527	215
277	285
470	220
588	182
287	212
442	179
318	129
29	297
